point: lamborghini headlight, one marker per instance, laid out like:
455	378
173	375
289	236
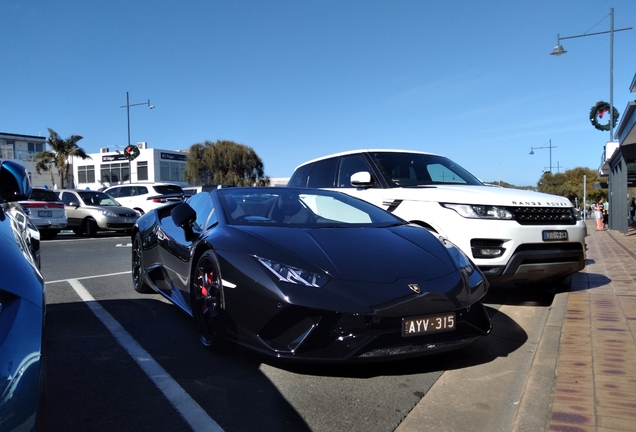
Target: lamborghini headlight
463	263
472	211
293	275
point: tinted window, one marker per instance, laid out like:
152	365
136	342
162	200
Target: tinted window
114	192
43	195
68	198
350	165
300	176
168	189
323	174
203	206
127	191
415	169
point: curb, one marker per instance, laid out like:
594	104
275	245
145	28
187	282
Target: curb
535	406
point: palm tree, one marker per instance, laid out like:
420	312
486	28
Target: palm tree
58	156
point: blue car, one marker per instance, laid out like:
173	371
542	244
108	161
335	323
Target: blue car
22	308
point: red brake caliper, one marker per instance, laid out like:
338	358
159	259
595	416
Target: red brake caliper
209	279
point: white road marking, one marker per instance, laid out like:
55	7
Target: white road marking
123	245
191	412
90	277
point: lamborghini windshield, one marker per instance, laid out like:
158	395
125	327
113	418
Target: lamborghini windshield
306	207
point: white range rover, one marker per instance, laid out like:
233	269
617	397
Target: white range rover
512	235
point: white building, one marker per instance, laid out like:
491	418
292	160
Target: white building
22	149
103	169
108	168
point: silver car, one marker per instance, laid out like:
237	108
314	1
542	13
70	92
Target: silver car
46	211
91	211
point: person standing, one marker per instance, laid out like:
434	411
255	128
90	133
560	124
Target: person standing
599	214
632	211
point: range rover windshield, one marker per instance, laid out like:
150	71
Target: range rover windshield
401	169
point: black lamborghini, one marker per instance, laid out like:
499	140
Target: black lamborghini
309	275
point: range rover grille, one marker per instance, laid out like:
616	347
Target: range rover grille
544	215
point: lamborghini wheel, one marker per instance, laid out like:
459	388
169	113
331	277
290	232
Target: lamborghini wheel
137	260
207	299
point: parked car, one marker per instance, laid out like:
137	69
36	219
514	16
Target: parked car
193	190
46	211
144	197
91	211
308	274
22	308
514	236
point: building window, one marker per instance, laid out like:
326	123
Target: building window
171	171
86	174
35	148
7	149
114	173
142	170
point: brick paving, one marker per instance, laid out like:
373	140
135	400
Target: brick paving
595	387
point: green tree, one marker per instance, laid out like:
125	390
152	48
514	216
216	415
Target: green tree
58	156
569	184
224	162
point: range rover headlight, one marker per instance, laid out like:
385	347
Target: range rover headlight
472	211
293	275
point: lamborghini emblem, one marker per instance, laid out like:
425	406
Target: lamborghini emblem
415	288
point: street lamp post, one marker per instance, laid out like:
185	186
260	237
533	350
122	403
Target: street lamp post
558	50
127	106
549	146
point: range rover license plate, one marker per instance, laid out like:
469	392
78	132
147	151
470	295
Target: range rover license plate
428	324
555	235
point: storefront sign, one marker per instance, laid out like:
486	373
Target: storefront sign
172	156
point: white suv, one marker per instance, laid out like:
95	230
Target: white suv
514	236
144	197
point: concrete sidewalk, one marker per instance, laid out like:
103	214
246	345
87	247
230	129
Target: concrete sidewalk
596	373
576	369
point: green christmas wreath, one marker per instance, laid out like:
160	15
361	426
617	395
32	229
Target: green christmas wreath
131	152
598	110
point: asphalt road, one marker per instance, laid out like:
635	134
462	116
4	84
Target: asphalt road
119	360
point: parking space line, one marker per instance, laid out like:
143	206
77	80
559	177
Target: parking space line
89	277
191	412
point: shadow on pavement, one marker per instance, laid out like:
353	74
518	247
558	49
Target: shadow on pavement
506	337
93	384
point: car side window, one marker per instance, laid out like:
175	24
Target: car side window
68	198
350	165
125	191
204	208
114	192
142	190
300	176
323	174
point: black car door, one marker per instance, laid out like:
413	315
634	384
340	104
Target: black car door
176	248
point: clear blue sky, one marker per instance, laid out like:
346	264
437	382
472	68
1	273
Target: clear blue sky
296	80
